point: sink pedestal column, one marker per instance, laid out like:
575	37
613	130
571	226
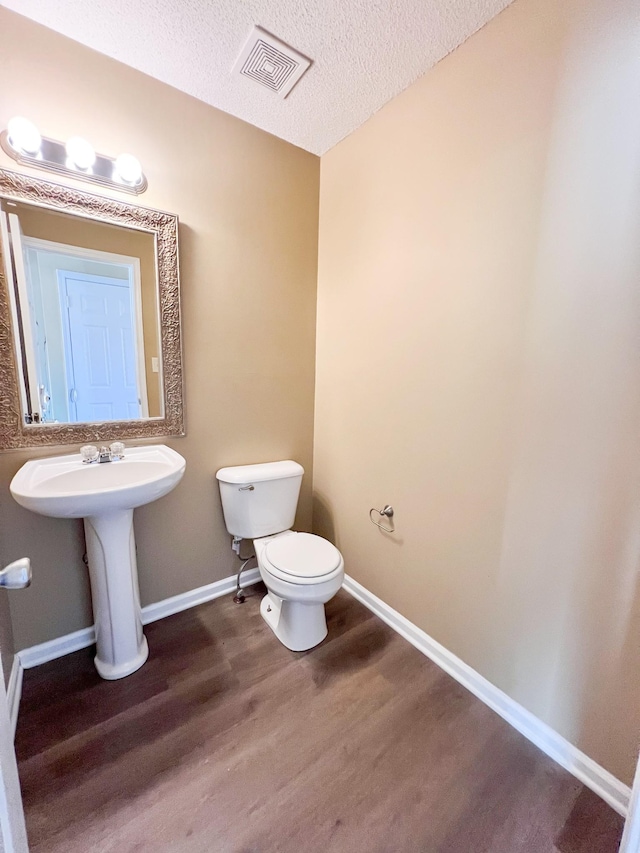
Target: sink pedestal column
111	553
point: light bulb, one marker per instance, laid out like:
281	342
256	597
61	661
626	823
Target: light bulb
80	153
128	169
24	135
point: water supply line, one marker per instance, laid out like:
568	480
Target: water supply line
239	597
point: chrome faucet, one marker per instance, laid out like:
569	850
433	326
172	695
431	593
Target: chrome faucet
90	453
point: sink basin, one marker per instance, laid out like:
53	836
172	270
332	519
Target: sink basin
64	487
105	495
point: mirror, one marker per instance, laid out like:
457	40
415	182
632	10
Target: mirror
86	304
89	317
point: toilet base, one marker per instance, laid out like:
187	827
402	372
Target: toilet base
299	626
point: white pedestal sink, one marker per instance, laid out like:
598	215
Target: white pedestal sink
105	495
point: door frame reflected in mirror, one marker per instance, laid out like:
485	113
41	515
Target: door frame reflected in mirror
14	432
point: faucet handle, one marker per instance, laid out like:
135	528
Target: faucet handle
117	450
16	575
89	453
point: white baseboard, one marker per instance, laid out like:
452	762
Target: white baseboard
52	649
14	691
153	612
591	774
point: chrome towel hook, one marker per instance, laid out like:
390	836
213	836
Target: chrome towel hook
385	512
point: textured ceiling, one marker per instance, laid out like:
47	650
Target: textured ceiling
364	51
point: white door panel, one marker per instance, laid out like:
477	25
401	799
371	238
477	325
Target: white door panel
100	347
13	833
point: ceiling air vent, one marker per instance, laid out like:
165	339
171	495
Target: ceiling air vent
271	62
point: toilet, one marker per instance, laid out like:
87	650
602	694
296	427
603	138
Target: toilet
300	570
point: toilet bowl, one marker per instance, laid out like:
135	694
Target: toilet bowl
301	572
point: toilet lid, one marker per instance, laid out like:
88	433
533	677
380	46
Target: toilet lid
303	555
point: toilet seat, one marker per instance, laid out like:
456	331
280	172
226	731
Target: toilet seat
302	558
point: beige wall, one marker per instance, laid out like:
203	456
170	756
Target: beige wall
478	361
6	635
248	208
75	231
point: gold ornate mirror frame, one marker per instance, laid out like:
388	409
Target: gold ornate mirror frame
14	433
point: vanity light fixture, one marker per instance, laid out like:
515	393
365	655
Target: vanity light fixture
77	158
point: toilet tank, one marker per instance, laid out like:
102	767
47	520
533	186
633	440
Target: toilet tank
260	500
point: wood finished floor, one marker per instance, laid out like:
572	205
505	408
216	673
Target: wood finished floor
226	742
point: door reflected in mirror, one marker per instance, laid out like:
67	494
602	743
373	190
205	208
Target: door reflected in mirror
85	303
